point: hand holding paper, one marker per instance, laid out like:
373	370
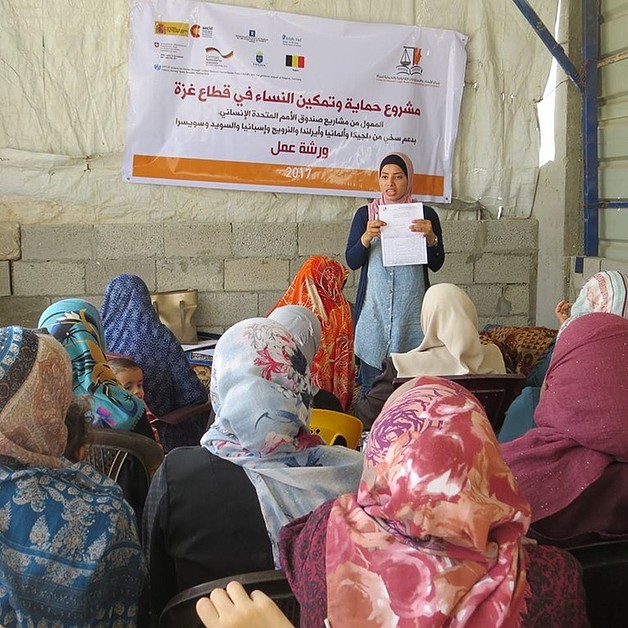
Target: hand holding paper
400	245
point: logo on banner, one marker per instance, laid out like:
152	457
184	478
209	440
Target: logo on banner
289	40
252	37
409	62
259	57
295	61
216	57
195	30
179	29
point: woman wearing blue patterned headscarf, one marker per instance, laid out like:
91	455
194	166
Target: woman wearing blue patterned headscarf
76	325
70	555
132	328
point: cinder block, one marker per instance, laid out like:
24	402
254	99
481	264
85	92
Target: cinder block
57	242
98	274
48	278
197	240
267	301
24	311
484	297
610	264
458	269
9	241
5	279
223	309
511	235
460	235
518	296
264	239
323	238
253	274
127	241
591	266
491	268
204	274
506	321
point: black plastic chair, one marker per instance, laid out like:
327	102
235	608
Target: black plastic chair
605	577
494	392
181	609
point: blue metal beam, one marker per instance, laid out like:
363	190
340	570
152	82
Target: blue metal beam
591	196
557	51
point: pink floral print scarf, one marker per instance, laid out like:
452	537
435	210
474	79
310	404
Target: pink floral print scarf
433	536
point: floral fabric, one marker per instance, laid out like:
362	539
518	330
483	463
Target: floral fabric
76	325
433	536
261	391
318	287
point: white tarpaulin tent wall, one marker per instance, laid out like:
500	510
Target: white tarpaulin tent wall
64	104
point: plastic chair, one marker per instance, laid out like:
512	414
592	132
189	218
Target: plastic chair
494	392
129	459
336	428
181	609
605	578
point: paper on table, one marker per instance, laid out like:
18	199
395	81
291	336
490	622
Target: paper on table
400	246
200	345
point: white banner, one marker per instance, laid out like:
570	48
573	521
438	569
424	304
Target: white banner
238	98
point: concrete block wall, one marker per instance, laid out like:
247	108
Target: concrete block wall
242	269
581	268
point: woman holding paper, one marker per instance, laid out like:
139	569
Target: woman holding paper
388	303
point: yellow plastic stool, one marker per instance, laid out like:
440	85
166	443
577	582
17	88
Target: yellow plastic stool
336	428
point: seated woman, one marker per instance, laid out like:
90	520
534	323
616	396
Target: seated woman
318	287
573	466
259	466
305	328
132	328
434	535
76	325
68	541
451	347
606	291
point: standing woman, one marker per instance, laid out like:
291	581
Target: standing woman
388	303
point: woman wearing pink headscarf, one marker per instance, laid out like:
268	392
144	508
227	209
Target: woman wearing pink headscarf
388	301
573	466
434	535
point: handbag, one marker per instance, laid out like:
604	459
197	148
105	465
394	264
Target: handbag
176	309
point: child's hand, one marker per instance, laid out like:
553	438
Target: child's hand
233	608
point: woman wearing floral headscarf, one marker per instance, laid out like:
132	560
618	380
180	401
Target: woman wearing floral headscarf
69	551
433	536
573	466
76	325
318	287
258	468
388	302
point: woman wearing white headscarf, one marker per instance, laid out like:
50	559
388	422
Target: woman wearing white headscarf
451	347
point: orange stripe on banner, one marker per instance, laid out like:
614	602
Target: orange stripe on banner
279	175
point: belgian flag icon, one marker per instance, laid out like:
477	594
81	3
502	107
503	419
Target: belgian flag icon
295	61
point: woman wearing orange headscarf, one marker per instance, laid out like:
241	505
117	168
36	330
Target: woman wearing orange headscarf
318	287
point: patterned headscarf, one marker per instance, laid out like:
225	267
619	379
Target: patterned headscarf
35	393
606	291
400	158
76	325
132	327
318	287
452	343
433	536
581	417
261	392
